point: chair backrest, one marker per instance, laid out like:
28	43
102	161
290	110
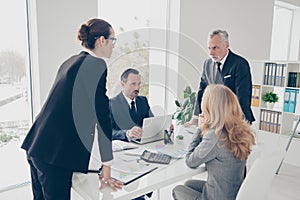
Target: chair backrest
259	179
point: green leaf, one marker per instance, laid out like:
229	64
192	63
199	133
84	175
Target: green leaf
187	111
270	97
188	90
177	103
186	95
184	111
178	115
185	103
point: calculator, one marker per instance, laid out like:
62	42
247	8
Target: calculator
159	158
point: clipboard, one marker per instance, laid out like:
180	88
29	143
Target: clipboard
127	178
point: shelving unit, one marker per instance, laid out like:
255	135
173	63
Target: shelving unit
283	78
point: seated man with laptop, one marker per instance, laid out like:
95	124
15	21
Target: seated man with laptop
128	111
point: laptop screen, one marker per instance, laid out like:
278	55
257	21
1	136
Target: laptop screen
156	125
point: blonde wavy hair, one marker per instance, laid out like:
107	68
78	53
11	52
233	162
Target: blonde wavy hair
221	111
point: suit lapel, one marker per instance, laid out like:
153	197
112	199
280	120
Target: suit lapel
227	64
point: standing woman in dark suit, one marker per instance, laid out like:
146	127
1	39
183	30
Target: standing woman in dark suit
60	140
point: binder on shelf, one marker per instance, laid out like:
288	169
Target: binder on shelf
278	75
261	120
270	74
290	100
286	102
283	74
273	73
292	79
255	95
270	121
266	74
297	79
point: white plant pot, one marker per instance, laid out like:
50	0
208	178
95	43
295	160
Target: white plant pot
270	105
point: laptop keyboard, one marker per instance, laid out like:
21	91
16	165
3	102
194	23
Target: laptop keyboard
156	157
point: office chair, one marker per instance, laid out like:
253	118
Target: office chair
259	179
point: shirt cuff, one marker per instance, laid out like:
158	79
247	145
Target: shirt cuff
195	117
128	138
108	163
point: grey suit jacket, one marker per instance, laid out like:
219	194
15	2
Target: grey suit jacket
225	172
120	117
236	75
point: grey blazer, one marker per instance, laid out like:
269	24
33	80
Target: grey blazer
120	117
225	172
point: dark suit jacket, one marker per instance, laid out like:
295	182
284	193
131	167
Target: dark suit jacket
121	120
236	75
63	133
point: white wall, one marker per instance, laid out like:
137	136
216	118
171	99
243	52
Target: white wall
249	24
57	22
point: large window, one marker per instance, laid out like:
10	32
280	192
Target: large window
14	96
143	32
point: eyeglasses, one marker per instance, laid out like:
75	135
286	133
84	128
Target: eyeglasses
113	39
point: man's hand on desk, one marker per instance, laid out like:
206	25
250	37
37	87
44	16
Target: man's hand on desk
134	132
105	179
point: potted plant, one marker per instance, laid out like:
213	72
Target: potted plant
270	98
184	112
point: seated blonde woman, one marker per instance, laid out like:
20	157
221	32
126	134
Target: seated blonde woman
223	144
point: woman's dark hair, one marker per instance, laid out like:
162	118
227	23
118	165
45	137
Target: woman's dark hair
95	28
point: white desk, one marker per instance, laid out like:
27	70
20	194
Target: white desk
85	186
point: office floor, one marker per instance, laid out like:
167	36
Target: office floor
285	186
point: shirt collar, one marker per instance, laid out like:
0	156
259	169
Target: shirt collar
222	61
128	99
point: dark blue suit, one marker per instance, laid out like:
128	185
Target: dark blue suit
60	140
236	75
121	120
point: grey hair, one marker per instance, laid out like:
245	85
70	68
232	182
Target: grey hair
222	33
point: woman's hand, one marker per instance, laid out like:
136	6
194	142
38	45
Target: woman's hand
193	121
106	179
201	120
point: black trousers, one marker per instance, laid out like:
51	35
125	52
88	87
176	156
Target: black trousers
49	182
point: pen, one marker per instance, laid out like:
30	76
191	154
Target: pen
132	154
125	148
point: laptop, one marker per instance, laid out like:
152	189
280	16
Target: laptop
153	128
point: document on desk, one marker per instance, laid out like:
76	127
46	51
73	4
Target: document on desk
130	168
119	145
173	151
